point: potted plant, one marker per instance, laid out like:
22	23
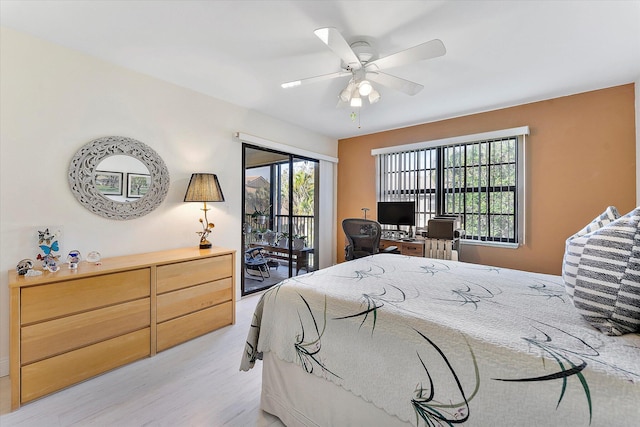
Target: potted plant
283	241
270	237
298	242
261	216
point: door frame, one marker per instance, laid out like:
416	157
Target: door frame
291	160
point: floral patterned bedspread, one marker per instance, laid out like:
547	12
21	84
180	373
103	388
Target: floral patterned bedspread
441	342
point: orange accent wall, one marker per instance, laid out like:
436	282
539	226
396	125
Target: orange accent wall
580	159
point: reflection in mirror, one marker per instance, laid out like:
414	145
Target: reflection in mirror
122	178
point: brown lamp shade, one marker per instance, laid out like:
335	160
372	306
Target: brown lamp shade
204	187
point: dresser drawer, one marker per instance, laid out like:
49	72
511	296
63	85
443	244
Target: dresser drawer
188	273
194	298
45	339
53	300
49	375
181	329
412	249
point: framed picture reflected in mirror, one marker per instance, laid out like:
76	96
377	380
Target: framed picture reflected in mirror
137	185
109	183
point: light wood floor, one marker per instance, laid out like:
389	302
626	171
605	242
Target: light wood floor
194	384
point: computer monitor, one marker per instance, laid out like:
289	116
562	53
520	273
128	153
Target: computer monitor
396	213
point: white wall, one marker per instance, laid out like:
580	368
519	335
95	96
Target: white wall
54	100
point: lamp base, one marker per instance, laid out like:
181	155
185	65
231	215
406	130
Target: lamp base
205	245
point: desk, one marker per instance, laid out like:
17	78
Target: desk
299	256
425	247
414	248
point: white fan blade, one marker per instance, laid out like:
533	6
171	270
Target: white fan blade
427	50
332	38
308	80
393	82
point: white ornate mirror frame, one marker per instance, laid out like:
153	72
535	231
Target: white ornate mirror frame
82	177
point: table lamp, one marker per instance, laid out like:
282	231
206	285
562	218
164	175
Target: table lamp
204	187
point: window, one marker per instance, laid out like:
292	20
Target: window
478	178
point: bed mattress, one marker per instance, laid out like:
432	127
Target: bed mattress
433	342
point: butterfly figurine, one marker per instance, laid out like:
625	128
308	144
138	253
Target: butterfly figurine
45	237
49	249
42	235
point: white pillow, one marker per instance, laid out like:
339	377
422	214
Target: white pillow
607	286
575	245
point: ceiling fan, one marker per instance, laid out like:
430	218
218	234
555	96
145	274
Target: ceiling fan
359	61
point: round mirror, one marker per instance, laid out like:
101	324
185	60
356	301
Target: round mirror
118	178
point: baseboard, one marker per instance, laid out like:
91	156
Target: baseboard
4	366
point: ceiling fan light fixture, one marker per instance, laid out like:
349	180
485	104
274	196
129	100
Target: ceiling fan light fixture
356	101
374	96
365	88
345	95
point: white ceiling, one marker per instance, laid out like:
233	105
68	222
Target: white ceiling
499	53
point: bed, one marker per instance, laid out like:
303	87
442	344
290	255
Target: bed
391	340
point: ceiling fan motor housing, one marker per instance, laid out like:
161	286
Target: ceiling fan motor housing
364	51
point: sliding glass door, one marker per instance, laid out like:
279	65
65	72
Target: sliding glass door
280	217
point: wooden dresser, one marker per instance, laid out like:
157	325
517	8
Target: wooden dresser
72	325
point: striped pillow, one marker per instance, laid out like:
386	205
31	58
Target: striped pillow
607	287
575	245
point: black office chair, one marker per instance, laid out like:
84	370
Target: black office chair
363	236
